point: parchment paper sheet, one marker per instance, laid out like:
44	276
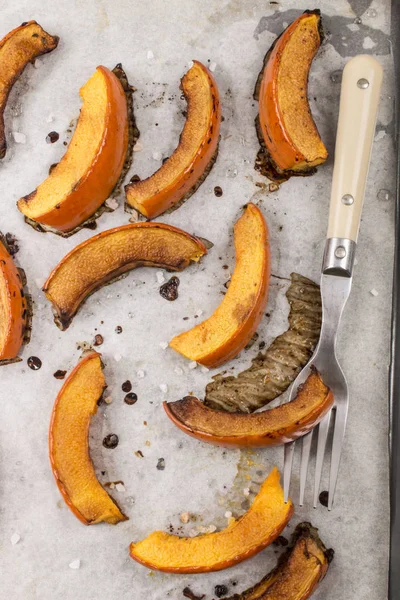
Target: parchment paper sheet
155	41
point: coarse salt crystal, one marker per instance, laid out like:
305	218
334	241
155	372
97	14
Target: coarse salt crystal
108	400
157	156
150	54
140	374
228	514
164	345
75	564
178	371
15	538
190	64
120	487
374	292
381	134
160	277
38	63
192	364
138	147
50	119
199	312
246	491
204	369
117	357
163	387
19	138
211	528
212	67
111	203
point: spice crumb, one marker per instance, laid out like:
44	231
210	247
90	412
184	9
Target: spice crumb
139	454
15	538
184	518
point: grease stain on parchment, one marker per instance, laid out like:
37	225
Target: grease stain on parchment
346	42
102	21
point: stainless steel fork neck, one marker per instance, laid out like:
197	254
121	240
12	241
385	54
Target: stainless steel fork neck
339	257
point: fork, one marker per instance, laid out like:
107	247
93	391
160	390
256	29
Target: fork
359	99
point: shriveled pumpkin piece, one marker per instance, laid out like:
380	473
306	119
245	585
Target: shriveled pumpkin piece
182	173
112	253
290	142
87	173
18	48
244	537
14	308
298	572
223	335
271	372
279	425
72	467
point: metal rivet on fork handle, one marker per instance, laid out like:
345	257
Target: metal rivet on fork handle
348	199
363	83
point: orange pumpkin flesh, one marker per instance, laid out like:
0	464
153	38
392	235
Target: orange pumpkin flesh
244	537
72	467
18	48
279	425
112	253
288	132
223	335
298	572
87	173
14	310
181	173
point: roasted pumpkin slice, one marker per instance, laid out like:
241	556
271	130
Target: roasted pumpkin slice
18	48
299	570
14	307
223	335
244	537
272	371
182	173
112	253
290	142
87	173
279	425
72	467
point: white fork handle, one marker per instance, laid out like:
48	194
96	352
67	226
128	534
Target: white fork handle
359	99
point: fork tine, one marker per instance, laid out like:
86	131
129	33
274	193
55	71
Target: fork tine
337	444
287	468
305	455
323	429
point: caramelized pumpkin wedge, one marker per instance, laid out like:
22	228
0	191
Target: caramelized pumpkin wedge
223	335
299	570
18	48
87	173
72	467
183	172
112	253
244	537
290	142
14	308
279	425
